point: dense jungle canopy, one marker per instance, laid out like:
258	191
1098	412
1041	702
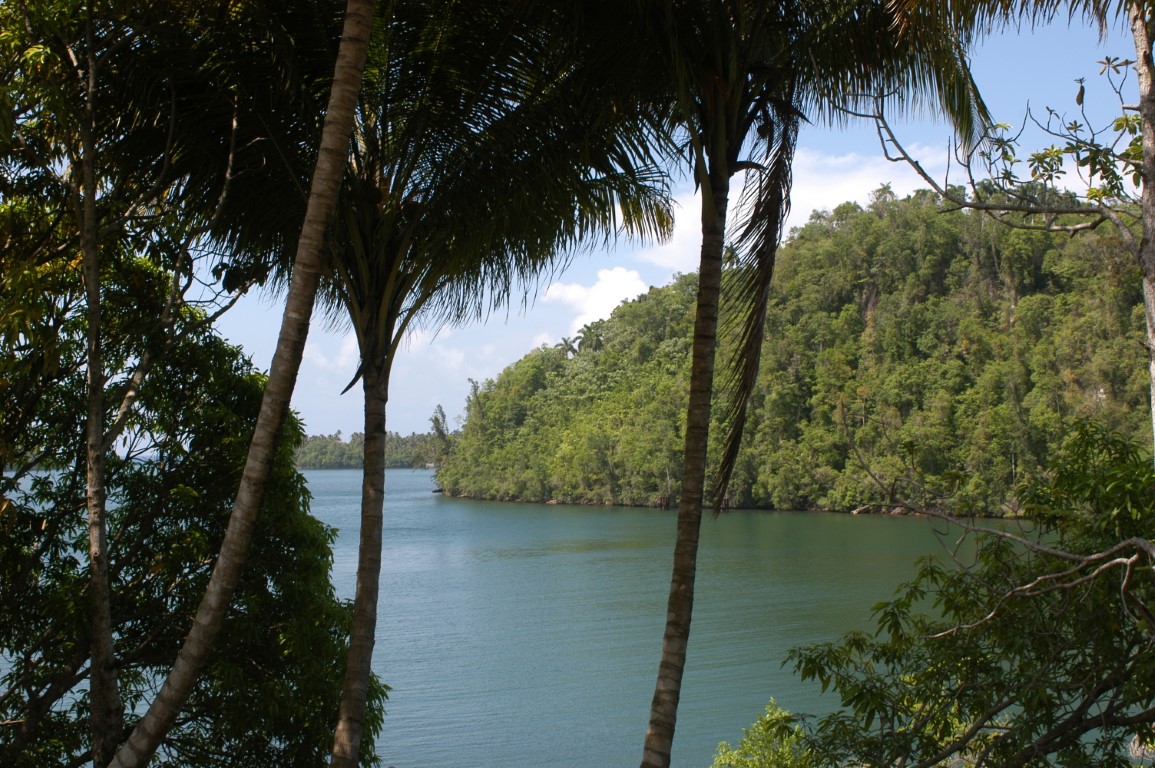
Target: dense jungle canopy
912	355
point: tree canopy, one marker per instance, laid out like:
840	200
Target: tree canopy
411	451
911	356
268	697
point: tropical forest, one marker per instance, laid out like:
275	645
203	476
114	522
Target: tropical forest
913	358
893	463
334	452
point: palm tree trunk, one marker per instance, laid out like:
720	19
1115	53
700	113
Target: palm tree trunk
680	607
359	659
327	175
1145	68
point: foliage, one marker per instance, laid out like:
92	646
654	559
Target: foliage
131	133
551	426
269	694
774	741
1098	171
202	114
411	451
1106	156
911	355
1038	651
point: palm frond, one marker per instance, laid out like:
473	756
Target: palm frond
872	48
766	204
491	148
984	16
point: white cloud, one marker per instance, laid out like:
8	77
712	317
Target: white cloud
542	338
432	346
327	351
597	301
824	181
448	358
680	252
419	338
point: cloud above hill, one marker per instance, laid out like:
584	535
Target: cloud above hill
596	301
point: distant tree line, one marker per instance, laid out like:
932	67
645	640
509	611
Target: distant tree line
912	355
334	452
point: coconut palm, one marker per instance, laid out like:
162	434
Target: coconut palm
746	75
479	162
326	182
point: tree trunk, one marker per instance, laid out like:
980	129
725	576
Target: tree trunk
106	713
1145	68
327	175
359	660
667	691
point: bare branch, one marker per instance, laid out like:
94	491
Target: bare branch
1015	204
1048	582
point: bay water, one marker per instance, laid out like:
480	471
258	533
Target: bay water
529	635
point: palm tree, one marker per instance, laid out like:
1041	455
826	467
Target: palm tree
475	167
746	74
590	337
330	166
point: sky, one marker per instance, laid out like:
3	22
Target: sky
1036	68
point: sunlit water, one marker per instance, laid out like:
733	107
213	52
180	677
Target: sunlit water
529	635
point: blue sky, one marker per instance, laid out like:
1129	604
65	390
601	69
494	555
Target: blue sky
1035	67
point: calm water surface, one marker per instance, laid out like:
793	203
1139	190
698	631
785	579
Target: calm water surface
529	635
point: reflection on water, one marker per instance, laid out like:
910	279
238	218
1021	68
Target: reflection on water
518	635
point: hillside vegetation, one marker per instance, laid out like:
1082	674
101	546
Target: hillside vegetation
912	355
334	452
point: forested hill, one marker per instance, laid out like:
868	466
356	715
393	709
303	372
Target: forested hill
334	452
911	354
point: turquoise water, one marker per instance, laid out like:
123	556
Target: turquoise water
529	635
